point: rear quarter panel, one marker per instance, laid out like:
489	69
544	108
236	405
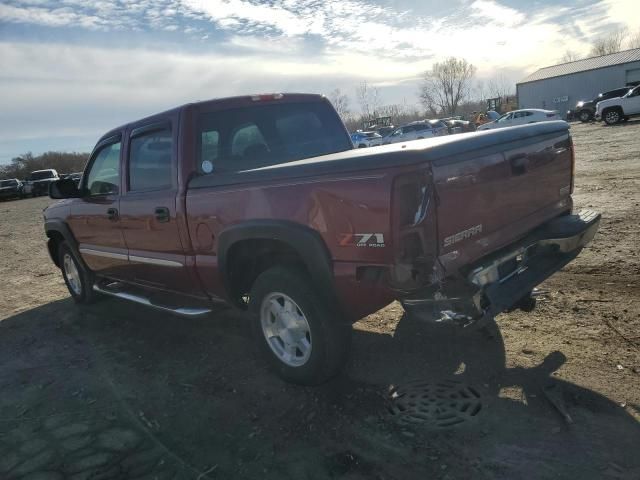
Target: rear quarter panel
338	207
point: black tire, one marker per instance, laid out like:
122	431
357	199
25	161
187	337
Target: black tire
585	116
85	277
612	116
329	337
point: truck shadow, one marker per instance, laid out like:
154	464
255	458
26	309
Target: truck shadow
119	391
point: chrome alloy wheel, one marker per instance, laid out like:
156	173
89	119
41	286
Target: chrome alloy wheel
72	274
286	329
613	117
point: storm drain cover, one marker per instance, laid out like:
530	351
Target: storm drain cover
441	405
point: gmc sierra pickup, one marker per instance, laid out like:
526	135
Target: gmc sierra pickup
262	202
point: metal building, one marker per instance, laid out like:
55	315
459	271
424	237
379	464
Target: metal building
560	87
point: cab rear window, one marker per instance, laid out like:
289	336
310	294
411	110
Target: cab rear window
264	135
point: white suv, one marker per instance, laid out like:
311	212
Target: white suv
616	110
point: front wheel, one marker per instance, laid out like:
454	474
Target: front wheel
585	116
611	117
77	277
295	329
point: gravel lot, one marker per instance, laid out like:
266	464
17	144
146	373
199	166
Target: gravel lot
119	391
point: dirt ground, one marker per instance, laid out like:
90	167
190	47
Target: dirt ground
118	391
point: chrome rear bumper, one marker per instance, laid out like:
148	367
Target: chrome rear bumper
563	235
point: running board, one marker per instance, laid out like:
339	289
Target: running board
183	311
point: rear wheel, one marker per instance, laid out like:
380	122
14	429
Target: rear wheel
301	337
613	116
77	277
585	116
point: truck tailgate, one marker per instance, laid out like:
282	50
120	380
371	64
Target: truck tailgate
492	196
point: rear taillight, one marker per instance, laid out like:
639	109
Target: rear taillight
414	230
573	163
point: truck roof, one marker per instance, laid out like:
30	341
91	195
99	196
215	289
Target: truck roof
224	103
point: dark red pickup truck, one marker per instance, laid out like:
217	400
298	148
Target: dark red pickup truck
262	202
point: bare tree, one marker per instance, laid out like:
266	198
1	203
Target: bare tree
634	39
447	84
362	96
369	99
611	43
569	56
500	86
340	102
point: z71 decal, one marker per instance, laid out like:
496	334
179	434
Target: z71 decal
372	240
463	235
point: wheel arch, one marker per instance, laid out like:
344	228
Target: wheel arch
57	232
613	107
253	246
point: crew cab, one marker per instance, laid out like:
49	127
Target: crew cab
616	110
263	203
40	180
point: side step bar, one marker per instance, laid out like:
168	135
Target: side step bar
183	311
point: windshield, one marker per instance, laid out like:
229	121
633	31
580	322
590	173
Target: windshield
41	175
264	135
631	92
8	183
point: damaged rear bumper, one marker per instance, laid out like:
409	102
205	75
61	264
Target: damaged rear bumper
498	282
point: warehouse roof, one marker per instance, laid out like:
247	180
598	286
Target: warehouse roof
584	65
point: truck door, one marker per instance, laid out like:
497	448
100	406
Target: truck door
94	219
148	209
631	104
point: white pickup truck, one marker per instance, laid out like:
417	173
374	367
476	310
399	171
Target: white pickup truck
615	110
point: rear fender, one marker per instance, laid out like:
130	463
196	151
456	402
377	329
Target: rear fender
305	241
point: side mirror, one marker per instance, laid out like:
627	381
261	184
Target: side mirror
65	188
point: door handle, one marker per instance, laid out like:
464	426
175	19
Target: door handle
162	214
112	214
519	164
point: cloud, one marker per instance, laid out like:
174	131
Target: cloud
217	48
80	90
493	12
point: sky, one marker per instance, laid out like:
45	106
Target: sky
73	69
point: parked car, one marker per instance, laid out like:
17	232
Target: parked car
76	177
521	117
439	127
366	139
586	110
262	202
11	188
457	125
616	110
27	187
412	131
40	180
384	131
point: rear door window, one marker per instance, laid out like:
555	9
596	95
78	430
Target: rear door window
150	160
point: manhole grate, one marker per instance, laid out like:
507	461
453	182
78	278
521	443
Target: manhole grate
443	404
